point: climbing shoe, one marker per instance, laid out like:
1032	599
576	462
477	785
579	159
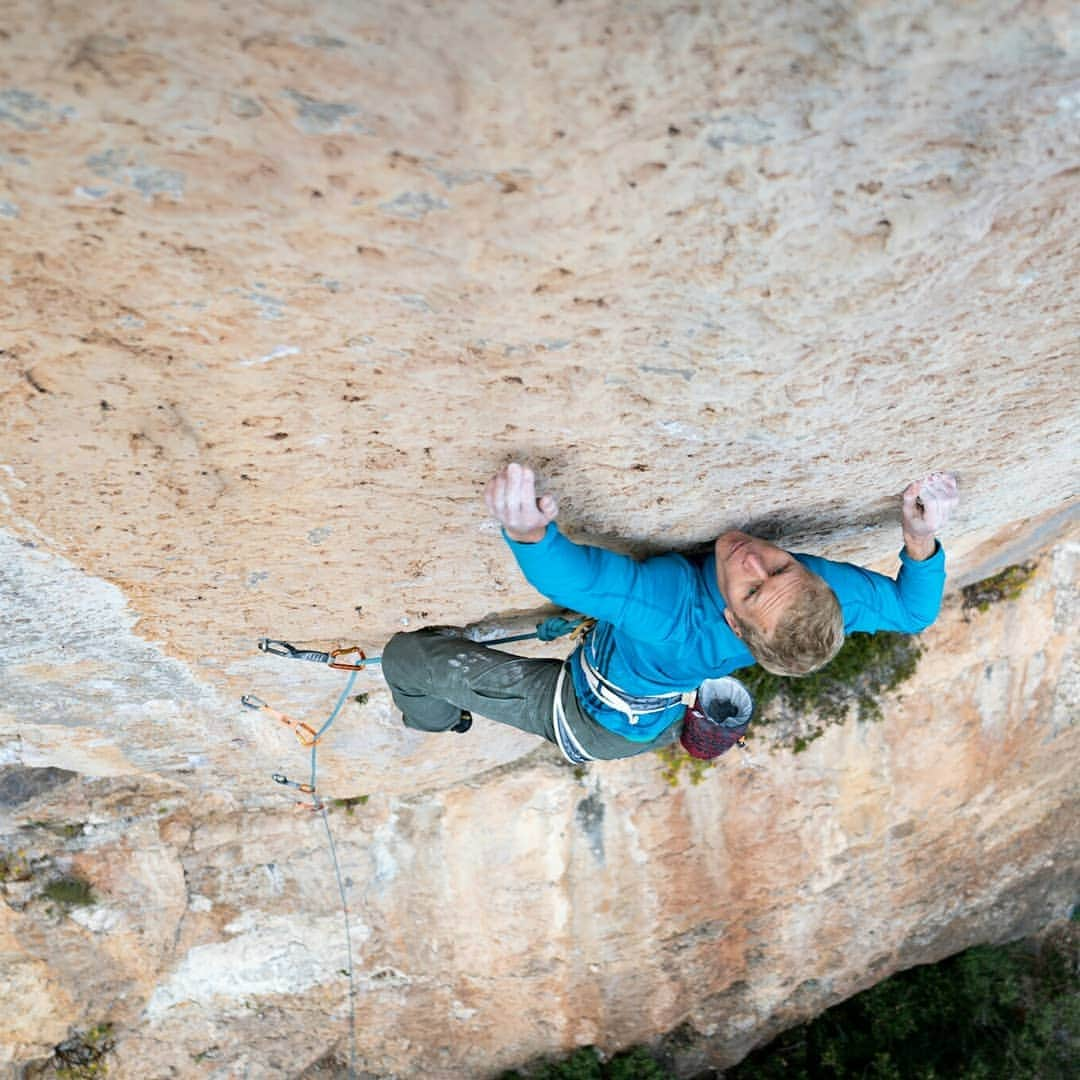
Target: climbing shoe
464	722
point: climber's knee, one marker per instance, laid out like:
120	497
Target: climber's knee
401	655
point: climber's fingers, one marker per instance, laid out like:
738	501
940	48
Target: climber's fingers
929	501
511	499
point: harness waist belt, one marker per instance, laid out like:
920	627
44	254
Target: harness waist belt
632	706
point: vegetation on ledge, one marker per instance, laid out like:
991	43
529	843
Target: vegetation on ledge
83	1056
69	892
867	666
1006	585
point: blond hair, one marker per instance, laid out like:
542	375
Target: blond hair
807	636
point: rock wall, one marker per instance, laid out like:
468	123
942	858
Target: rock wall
531	909
283	283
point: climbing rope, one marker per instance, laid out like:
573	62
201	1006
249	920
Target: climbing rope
548	630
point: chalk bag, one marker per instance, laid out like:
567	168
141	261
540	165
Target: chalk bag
717	719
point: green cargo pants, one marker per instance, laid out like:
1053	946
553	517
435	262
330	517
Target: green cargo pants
434	674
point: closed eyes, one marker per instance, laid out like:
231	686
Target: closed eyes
772	573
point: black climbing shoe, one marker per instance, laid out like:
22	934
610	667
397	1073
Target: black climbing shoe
464	723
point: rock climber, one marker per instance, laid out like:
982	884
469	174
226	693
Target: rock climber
663	626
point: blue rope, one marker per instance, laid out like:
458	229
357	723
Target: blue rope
321	807
348	941
329	720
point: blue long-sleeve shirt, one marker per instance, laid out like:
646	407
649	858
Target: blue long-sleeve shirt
660	623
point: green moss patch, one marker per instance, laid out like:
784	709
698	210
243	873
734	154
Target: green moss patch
1006	585
82	1057
678	763
14	866
350	804
69	892
865	668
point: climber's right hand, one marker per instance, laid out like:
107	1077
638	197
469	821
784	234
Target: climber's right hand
511	497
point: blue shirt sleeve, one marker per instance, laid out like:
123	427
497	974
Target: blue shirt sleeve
871	601
645	599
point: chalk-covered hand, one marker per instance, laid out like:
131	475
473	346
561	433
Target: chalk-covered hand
511	497
927	505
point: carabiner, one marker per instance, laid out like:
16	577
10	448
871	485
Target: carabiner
335	663
305	734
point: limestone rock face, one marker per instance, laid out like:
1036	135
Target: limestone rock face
280	286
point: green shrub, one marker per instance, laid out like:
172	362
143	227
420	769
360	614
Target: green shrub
14	866
585	1064
82	1057
985	1014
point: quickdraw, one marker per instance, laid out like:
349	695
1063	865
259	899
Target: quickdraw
548	630
312	807
281	778
305	734
331	659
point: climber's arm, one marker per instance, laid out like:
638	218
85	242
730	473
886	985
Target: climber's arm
638	596
910	602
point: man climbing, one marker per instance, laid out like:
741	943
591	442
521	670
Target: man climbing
664	625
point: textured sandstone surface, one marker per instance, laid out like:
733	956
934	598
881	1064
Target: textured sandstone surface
282	283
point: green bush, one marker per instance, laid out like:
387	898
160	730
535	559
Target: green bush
82	1057
986	1014
585	1064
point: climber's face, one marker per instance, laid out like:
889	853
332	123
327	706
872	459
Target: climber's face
758	580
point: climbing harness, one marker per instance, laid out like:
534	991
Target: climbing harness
632	706
571	749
